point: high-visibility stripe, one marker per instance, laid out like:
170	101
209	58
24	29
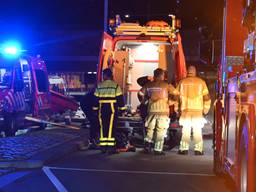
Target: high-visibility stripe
103	144
95	108
104	139
107	144
118	91
107	87
118	94
106	95
107	101
184	146
111	121
205	92
122	108
100	121
96	94
111	144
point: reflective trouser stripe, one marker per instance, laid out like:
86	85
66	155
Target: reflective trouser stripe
107	144
100	121
184	145
159	145
111	121
107	141
107	101
199	146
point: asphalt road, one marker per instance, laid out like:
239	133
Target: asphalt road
92	171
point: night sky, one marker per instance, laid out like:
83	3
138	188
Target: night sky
193	13
41	25
28	15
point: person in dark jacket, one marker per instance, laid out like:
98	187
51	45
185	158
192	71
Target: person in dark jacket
87	107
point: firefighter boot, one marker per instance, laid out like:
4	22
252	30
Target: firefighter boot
112	151
198	153
93	145
183	152
184	147
159	153
158	149
147	148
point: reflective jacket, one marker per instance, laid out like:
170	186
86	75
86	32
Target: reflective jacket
194	95
158	93
109	92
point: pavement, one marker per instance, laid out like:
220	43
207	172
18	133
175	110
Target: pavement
6	171
132	171
34	149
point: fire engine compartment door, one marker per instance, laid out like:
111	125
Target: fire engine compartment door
121	68
231	120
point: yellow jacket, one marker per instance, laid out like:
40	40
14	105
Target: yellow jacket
109	92
158	93
194	95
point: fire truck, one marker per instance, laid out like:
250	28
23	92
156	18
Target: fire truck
24	91
133	51
234	122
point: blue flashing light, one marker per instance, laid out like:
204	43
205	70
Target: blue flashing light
11	49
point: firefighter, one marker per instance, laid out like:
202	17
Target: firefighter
109	100
157	120
194	102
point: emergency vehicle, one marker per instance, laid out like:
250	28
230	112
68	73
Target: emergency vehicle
24	91
134	51
234	124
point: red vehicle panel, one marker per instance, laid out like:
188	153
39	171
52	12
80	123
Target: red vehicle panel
24	90
234	125
60	103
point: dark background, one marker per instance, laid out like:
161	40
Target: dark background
67	33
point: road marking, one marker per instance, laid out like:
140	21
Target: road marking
133	172
55	181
